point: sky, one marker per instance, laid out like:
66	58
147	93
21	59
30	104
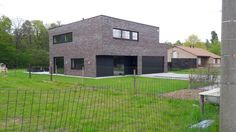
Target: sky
177	19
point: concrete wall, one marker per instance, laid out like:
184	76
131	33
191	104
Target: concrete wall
228	66
94	36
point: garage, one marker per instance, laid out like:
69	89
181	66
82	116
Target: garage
152	64
115	65
104	65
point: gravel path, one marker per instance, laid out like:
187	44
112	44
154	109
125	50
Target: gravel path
189	94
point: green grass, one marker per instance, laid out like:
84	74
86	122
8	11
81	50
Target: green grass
196	70
113	104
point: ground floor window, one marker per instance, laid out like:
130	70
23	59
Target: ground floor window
77	63
199	61
217	61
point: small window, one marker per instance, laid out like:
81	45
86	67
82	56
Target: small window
199	61
134	35
126	34
77	64
62	38
116	33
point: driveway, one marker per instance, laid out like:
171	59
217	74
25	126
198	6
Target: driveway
168	75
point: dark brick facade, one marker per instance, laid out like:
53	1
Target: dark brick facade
93	36
183	63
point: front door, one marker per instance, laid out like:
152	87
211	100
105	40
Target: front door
59	65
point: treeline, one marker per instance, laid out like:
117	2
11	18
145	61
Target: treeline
213	45
24	42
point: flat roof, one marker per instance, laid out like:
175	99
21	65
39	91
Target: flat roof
103	16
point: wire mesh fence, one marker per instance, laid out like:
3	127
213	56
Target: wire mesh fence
130	103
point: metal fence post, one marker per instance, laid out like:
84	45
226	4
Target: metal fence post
82	76
29	71
50	72
135	87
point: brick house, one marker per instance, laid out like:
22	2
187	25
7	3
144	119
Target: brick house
192	57
106	46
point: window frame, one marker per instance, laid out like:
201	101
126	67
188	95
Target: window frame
73	66
137	36
118	30
65	38
123	34
130	34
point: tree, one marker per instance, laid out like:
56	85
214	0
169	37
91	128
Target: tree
17	31
7	54
194	41
208	44
54	25
5	29
40	34
178	42
215	46
24	42
214	37
27	30
6	48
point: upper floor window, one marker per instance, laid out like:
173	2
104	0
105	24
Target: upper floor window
134	35
116	33
62	38
125	34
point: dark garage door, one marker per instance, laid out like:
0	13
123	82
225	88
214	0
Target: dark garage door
104	66
152	64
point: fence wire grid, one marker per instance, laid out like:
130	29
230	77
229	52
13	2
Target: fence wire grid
130	103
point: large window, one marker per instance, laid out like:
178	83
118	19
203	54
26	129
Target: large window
116	33
62	38
125	34
77	63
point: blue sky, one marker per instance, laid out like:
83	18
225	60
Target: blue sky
177	19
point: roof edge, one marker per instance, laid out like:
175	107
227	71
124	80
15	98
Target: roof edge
103	16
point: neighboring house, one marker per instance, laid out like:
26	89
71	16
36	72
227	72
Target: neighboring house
106	46
190	57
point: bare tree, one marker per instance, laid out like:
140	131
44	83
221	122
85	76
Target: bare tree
17	31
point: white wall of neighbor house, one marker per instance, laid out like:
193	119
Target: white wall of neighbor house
179	53
217	61
199	61
214	61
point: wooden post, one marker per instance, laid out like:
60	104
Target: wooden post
51	72
29	71
82	76
202	103
55	68
135	89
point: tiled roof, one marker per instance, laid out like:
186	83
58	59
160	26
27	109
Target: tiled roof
198	51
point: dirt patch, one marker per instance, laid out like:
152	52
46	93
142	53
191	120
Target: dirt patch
190	94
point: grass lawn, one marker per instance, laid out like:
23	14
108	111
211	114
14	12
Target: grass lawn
112	104
196	70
